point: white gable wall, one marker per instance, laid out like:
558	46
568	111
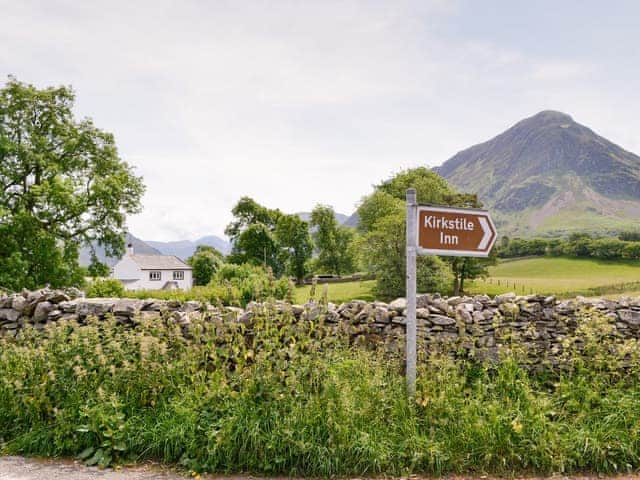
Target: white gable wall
165	276
127	269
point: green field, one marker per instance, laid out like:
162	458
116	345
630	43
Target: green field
338	292
560	276
545	275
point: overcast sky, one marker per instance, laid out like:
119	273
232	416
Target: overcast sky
306	102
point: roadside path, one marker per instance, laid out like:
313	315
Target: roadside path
19	468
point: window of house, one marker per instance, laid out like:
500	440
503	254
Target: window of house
155	275
178	275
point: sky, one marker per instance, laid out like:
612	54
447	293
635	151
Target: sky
296	103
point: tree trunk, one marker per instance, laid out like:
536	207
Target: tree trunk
456	284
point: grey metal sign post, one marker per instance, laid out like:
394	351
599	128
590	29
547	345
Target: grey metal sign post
436	230
412	220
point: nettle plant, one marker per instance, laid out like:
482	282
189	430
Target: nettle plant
278	395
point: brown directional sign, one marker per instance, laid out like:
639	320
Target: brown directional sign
449	231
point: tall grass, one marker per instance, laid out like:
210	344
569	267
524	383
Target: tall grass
286	397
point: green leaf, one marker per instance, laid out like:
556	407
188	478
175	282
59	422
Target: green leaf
121	447
85	453
105	461
97	458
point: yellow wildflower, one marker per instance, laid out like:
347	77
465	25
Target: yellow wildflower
516	425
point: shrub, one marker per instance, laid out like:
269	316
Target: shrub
240	284
108	287
631	251
232	284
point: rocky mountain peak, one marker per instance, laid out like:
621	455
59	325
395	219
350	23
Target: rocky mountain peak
548	167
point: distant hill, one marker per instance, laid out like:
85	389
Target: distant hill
352	221
549	175
184	248
139	246
340	217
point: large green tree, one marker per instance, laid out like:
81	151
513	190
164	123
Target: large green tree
382	247
62	185
382	252
257	245
252	235
249	212
205	262
295	244
268	237
333	242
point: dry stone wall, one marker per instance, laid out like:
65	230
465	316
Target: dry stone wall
476	323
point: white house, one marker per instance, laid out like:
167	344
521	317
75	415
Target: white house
152	272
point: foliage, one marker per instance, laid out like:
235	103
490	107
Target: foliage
377	206
383	248
249	212
290	400
576	245
630	236
252	235
333	242
295	244
383	255
464	268
205	261
430	187
518	247
251	283
267	237
97	268
258	246
62	184
233	285
31	257
105	288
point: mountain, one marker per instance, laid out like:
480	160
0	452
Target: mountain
353	220
341	218
550	175
139	246
184	248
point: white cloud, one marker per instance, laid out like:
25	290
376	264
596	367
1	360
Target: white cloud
557	71
292	103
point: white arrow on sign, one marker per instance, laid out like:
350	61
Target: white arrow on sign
486	229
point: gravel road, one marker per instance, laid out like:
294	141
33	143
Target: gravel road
18	468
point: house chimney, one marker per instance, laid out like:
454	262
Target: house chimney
130	249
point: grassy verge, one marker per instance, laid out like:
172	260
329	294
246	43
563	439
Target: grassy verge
290	399
338	292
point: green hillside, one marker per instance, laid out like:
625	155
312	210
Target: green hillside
548	175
